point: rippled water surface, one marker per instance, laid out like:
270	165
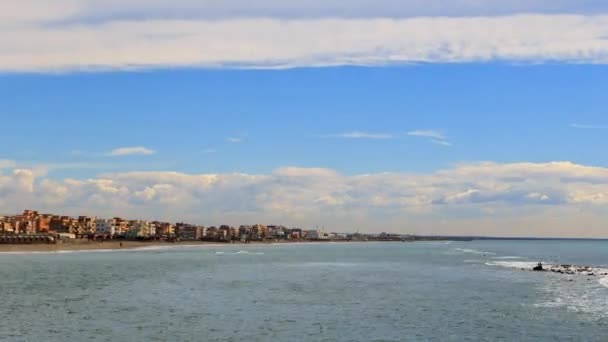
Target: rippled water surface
306	292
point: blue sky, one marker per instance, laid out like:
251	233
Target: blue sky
497	112
446	117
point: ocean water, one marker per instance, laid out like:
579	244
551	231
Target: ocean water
424	291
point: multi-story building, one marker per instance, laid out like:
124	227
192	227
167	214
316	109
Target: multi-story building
244	232
121	226
105	227
87	225
63	224
186	231
227	233
296	233
278	232
138	229
259	232
6	226
42	223
316	235
163	229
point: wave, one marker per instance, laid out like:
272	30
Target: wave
239	253
507	257
576	295
514	264
327	264
73	251
473	251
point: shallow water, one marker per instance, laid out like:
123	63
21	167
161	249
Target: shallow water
310	292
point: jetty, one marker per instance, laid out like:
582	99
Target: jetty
571	270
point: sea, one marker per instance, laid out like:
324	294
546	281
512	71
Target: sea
394	291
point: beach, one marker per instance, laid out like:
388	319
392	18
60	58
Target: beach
87	245
84	245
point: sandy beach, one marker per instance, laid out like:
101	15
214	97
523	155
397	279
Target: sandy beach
83	245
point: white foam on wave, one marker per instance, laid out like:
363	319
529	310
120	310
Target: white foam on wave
473	251
507	257
514	264
239	253
326	264
153	248
576	294
64	251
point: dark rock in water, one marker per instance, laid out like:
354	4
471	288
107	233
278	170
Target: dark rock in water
538	267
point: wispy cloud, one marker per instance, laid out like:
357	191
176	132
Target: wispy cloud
427	134
441	142
436	137
588	126
234	140
360	135
135	150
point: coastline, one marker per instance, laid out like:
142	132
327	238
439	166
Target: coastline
84	245
95	246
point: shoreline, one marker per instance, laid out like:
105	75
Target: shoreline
92	246
88	246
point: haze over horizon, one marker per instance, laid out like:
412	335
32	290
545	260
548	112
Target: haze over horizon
473	118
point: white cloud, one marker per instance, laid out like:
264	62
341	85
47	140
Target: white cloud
441	142
588	126
280	43
234	140
559	198
360	135
108	10
427	134
435	137
136	150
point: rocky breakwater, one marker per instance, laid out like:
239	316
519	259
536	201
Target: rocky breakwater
572	270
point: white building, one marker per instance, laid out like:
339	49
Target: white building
105	227
316	235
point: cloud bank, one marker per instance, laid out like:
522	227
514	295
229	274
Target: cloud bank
542	199
109	10
70	35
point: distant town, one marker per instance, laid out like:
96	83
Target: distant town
34	227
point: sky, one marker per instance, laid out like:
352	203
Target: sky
425	117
